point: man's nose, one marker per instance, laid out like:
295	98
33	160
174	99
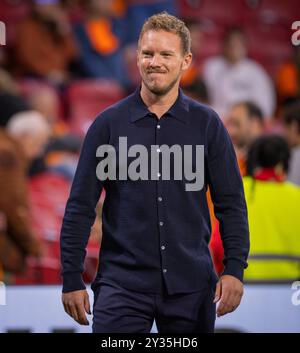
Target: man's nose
155	61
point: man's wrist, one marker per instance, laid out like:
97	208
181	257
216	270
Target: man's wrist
72	281
234	268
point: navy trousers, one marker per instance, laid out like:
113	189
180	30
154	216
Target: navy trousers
120	310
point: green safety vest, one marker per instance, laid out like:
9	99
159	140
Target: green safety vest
274	225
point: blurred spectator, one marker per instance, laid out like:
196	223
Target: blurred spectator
17	240
233	77
139	10
72	9
7	83
44	44
244	123
62	155
45	100
10	100
288	78
274	226
197	90
292	133
32	131
100	48
10	104
194	72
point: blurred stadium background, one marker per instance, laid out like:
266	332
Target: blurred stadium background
63	62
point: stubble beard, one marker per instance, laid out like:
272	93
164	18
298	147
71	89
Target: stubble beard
161	91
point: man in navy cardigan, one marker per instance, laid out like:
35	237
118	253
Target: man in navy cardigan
155	153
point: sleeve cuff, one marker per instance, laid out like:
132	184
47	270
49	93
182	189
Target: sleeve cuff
72	282
234	268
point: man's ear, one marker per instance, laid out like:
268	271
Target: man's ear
188	58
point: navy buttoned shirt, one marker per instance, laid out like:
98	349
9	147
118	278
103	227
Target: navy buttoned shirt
155	232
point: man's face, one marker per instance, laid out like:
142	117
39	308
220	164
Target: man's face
33	145
292	134
235	48
160	61
238	125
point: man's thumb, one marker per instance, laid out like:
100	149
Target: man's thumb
87	305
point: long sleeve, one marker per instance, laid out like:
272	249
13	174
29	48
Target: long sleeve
227	193
80	208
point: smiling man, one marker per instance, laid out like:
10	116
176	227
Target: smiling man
154	260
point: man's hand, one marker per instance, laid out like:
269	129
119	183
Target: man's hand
76	304
229	293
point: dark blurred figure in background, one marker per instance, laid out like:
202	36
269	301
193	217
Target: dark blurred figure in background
233	77
292	133
17	240
44	45
10	100
197	90
45	99
22	141
139	10
194	72
62	155
101	53
33	132
288	78
245	122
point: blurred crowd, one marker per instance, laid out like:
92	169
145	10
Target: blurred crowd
65	61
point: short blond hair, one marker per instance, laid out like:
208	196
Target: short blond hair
163	21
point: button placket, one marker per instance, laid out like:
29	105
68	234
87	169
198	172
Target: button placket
160	205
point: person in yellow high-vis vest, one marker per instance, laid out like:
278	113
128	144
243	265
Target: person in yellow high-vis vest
273	212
